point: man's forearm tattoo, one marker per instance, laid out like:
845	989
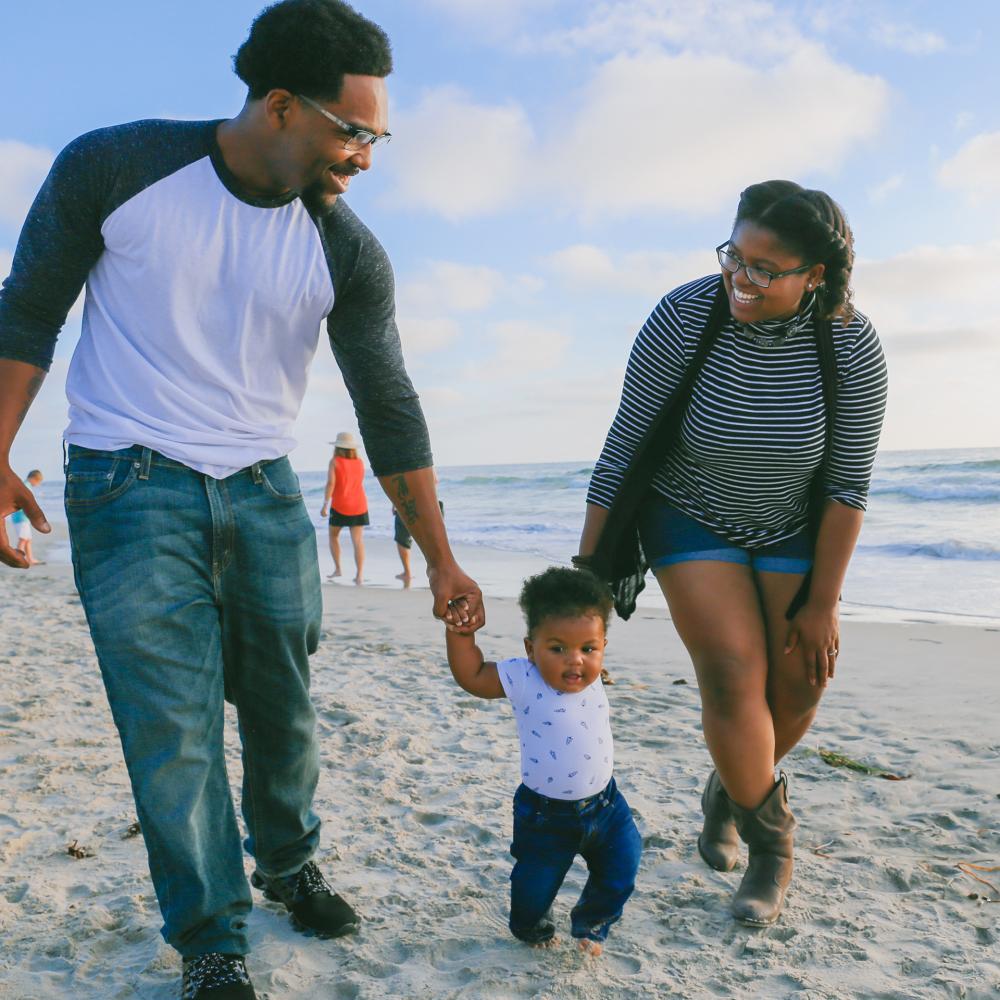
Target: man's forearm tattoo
406	505
34	385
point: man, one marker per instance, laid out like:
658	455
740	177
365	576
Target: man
211	253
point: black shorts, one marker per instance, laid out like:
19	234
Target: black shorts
338	520
403	538
399	532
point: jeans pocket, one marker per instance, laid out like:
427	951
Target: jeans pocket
280	481
95	479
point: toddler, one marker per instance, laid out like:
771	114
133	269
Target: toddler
567	803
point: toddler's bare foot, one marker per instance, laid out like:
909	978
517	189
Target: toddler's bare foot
551	942
588	947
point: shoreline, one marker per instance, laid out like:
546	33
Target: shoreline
499	573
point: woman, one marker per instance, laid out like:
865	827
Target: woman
724	518
345	497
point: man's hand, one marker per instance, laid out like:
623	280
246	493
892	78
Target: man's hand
458	600
14	495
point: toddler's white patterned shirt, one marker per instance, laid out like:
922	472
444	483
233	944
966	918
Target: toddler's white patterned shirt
566	747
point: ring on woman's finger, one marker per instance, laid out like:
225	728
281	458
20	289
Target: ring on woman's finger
833	652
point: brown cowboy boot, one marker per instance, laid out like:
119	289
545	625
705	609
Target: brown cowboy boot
767	831
719	843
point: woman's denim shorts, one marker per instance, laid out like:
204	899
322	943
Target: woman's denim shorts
669	536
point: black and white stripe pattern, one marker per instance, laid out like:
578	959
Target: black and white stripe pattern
754	430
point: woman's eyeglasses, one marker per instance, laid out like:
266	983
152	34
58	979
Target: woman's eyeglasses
757	275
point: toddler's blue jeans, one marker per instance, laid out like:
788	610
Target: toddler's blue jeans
198	590
548	834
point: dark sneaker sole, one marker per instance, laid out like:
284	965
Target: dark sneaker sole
340	932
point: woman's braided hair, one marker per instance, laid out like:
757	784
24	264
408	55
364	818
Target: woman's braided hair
812	225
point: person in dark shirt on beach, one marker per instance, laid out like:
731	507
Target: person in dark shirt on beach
741	456
212	252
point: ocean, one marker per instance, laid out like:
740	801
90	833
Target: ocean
930	542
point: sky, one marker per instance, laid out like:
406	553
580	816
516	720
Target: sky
559	165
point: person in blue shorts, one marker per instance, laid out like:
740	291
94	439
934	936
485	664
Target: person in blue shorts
21	524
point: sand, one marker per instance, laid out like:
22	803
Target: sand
415	794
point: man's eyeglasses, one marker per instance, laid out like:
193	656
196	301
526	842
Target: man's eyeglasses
757	275
354	138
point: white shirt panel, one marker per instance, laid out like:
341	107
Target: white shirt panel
202	318
566	746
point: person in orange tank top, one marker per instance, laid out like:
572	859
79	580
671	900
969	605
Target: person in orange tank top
345	499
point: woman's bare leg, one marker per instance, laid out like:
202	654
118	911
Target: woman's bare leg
358	542
793	700
335	548
717	612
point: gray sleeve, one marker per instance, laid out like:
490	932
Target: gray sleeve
59	244
365	342
61	239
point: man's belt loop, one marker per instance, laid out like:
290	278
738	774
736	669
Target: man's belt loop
257	473
145	461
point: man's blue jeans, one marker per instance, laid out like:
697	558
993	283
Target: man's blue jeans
548	834
198	590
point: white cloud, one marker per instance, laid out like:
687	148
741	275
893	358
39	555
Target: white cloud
631	26
963	120
500	16
423	336
650	273
906	38
975	169
431	302
929	289
686	133
521	350
480	169
22	170
680	117
879	192
450	287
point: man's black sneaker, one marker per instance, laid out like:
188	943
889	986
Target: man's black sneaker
314	906
215	976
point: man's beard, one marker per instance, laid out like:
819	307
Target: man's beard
317	200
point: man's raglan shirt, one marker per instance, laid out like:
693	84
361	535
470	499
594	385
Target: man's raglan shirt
203	305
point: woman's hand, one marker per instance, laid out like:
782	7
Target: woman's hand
323	511
815	631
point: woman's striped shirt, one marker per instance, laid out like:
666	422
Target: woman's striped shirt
754	430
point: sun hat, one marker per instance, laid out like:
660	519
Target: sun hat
345	439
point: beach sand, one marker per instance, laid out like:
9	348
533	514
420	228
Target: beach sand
415	791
